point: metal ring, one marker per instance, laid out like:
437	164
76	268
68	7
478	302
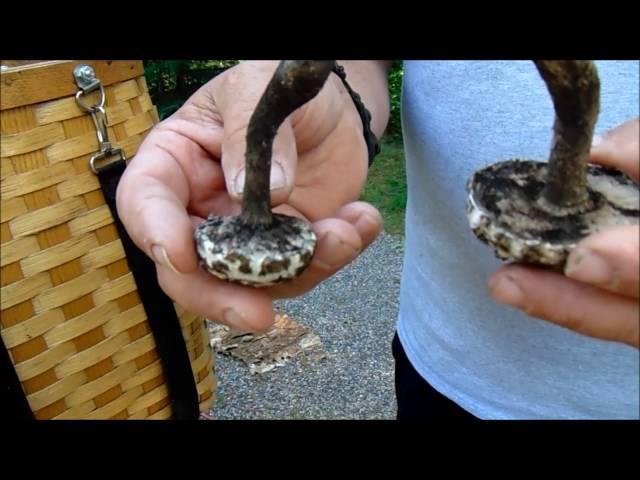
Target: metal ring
92	108
97	156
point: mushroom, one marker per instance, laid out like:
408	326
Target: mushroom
536	212
258	247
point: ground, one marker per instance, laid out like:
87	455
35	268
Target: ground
354	315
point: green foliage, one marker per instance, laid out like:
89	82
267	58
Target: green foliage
394	127
172	82
386	186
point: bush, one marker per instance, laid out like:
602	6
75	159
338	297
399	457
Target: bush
172	82
394	127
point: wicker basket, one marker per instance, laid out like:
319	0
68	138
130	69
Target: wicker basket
71	316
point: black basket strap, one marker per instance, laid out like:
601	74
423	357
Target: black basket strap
159	308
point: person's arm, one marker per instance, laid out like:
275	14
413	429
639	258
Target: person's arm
369	78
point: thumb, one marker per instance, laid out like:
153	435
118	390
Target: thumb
236	99
283	159
619	148
609	259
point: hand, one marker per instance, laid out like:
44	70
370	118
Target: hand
192	164
598	296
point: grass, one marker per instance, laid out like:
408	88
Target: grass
386	186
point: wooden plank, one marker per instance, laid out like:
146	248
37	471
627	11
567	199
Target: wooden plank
67	292
78	184
23	290
15	250
91	220
47	217
31	328
50	80
12	208
73	147
34	180
57	255
31	140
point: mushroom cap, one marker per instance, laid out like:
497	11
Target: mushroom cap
258	256
506	211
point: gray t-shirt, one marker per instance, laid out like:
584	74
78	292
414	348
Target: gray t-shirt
491	359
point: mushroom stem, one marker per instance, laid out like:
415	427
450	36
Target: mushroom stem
575	90
293	84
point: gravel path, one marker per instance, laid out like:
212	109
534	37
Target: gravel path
354	314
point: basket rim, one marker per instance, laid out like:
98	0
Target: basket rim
40	82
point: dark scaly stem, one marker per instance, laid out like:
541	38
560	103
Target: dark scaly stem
575	89
294	83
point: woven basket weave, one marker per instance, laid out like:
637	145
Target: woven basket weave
71	316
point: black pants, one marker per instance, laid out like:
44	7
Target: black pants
417	400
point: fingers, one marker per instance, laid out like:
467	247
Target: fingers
340	241
620	148
239	307
609	260
159	225
151	201
236	96
365	218
574	305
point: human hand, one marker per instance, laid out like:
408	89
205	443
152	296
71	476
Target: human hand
598	295
192	164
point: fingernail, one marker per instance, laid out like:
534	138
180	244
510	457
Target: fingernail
596	141
329	246
587	266
233	319
366	222
277	179
160	256
238	183
505	289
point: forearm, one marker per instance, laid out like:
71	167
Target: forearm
369	79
